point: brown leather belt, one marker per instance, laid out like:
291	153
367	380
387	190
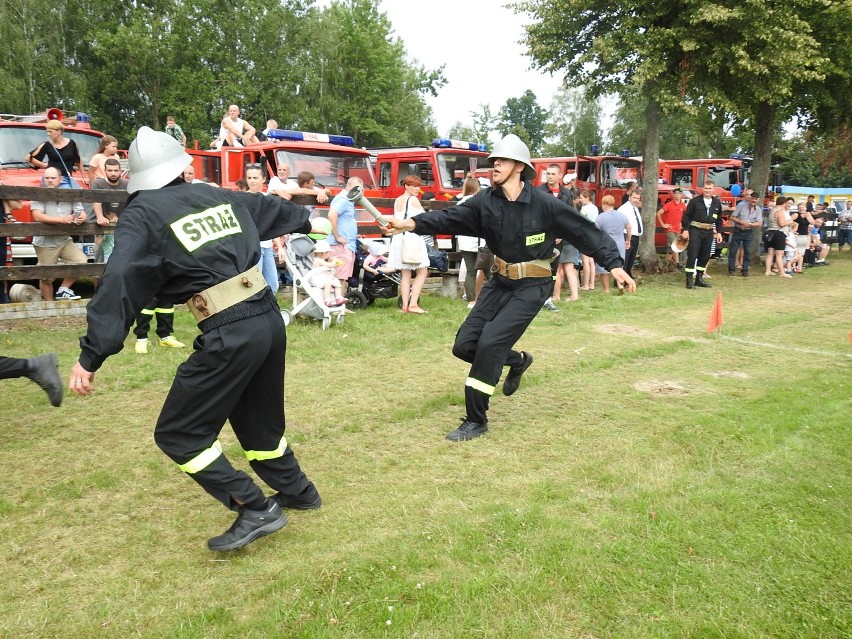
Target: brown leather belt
701	225
520	270
226	294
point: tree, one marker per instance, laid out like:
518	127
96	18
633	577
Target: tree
525	118
682	55
574	123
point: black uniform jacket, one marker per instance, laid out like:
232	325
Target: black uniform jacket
523	230
174	242
696	211
565	195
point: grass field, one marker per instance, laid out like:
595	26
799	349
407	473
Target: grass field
647	480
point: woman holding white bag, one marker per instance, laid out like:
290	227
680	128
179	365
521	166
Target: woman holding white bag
408	252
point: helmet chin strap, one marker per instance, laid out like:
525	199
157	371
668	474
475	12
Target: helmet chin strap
513	182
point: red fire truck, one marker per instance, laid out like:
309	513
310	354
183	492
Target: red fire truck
601	174
20	134
441	167
725	173
333	159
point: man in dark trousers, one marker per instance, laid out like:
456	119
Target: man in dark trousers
191	243
520	224
702	220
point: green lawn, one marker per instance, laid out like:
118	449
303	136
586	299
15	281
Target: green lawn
647	480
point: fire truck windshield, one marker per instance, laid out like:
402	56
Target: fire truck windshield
330	169
17	141
723	176
452	167
616	172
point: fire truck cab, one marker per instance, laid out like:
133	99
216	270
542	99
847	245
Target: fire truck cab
20	134
691	174
332	159
441	167
600	174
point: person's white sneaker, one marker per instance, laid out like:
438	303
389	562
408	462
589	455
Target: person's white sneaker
141	346
66	294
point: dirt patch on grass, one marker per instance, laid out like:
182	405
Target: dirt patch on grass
623	329
46	323
734	374
657	387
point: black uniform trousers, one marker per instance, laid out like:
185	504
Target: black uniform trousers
698	250
165	320
236	373
502	313
12	367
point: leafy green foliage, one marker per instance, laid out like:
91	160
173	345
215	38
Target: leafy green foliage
525	118
336	69
574	123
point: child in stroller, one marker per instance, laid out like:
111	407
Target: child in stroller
379	281
322	275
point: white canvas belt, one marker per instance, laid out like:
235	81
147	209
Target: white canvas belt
226	294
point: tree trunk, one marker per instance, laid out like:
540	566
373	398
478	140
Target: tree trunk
759	176
651	155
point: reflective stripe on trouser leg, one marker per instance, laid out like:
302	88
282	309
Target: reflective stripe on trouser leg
698	251
214	473
203	459
486	338
263	455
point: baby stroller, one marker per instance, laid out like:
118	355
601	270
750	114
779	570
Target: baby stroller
298	262
365	288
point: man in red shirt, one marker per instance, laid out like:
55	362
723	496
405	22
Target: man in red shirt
669	217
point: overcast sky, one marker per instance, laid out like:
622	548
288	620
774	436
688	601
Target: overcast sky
477	41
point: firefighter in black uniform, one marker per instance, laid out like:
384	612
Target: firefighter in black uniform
701	220
520	225
199	244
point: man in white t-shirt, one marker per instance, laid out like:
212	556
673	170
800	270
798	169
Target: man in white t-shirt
282	186
632	208
235	131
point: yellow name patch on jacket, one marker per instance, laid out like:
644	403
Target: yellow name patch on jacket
197	229
535	239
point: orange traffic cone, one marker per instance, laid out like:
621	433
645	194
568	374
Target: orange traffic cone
715	321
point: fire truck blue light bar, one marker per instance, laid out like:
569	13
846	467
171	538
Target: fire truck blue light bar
305	136
446	143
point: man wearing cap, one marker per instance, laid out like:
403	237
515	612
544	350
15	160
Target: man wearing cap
520	224
669	217
190	243
701	223
745	218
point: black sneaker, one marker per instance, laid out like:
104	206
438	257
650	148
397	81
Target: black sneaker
731	273
249	526
312	502
513	377
744	273
44	371
468	430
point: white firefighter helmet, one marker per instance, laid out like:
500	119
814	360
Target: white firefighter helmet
679	244
156	159
513	148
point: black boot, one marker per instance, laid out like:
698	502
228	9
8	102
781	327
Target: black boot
44	371
689	281
699	280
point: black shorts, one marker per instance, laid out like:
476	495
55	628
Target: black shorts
774	240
